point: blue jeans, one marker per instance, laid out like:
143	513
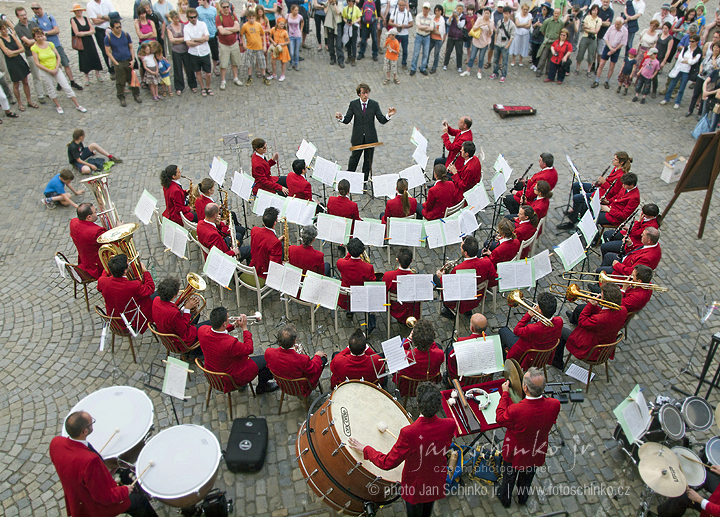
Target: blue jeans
295	50
683	77
504	52
404	44
421	42
435	45
364	29
480	53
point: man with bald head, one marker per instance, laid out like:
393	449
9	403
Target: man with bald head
460	135
615	39
528	424
90	490
210	236
478	325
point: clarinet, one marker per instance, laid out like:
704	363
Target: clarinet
605	171
608	190
522	177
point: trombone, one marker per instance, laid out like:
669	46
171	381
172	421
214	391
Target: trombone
616	279
573	293
515	298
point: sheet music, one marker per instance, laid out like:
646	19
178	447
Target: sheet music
306	151
571	251
329	293
517	274
356	180
642	405
145	207
370	231
325	171
265	199
477	198
414	174
451	230
312	285
420	158
175	237
468	222
220	267
175	378
332	228
405	232
419	140
478	356
395	355
588	227
370	297
498	186
501	165
385	185
291	279
543	266
460	286
218	170
414	288
578	373
300	211
434	233
242	185
275	275
595	203
634	420
61	265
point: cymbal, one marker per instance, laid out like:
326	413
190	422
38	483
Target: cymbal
652	449
514	373
662	473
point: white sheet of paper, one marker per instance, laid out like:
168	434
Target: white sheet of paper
434	233
588	227
497	166
452	231
461	286
515	274
265	199
300	211
329	229
61	265
312	285
498	186
571	251
370	231
370	297
291	279
414	288
175	237
507	170
414	174
306	151
175	378
595	203
220	267
476	356
325	171
145	207
356	180
634	419
329	293
405	232
418	139
468	222
385	185
103	336
578	373
421	158
395	355
477	198
275	275
644	411
543	266
242	185
218	170
359	301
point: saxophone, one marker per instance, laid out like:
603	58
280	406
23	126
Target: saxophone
192	192
450	265
286	240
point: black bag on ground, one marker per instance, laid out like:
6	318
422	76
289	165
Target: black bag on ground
216	504
247	445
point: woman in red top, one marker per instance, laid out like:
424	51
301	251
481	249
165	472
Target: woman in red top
401	205
441	196
561	51
507	244
543	193
526	225
297	184
342	205
175	203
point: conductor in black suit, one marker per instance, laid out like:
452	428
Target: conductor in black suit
365	111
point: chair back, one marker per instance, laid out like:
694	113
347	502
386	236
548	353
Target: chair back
470	380
412	383
217	379
541	357
78	275
603	352
293	386
189	225
538	233
525	247
455	208
249	270
117	325
172	342
629	318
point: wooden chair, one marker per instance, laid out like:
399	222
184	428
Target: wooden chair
603	357
246	274
216	382
392	298
470	380
412	385
630	316
173	344
542	357
79	277
294	387
481	292
117	328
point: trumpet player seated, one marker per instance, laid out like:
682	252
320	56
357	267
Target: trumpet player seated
484	270
506	245
424	352
635	296
305	256
210	235
171	319
298	186
401	311
649	254
466	173
677	506
440	196
261	168
402	205
597	325
623	204
623	240
227	354
84	233
205	191
285	362
175	195
354	270
118	291
356	361
478	326
526	188
532	334
265	247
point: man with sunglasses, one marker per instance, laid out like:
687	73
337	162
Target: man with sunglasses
119	48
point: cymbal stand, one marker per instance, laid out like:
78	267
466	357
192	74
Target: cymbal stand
646	497
688	368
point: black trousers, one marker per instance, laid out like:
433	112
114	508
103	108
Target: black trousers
140	506
523	478
559	358
456	44
420	509
100	38
606	264
510	203
264	374
367	161
331	41
697	92
507	338
180	60
612	244
676	506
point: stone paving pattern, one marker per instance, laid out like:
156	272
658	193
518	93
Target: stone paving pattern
49	342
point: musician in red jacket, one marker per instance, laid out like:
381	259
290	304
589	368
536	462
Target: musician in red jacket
227	354
205	191
261	170
117	291
526	226
342	205
175	203
305	256
84	233
441	196
286	363
649	254
356	361
543	194
460	135
354	270
505	247
427	356
88	486
527	187
264	245
528	424
171	319
402	205
623	204
401	311
423	446
621	240
532	334
676	506
297	185
210	235
469	173
478	327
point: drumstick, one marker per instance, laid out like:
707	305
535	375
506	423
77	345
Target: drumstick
696	461
111	437
150	464
383	428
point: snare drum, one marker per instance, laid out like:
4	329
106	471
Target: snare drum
186	460
672	422
697	413
711	453
689	463
118	407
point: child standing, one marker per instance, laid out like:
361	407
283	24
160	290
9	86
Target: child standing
628	71
55	190
649	69
149	63
254	34
392	48
163	68
280	39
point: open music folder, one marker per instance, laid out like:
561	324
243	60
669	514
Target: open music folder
633	415
479	356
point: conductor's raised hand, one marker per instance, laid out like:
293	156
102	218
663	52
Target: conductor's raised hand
392	111
338	115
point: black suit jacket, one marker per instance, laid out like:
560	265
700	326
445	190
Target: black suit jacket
364	127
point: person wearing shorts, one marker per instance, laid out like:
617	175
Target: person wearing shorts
228	27
253	33
197	37
392	46
615	38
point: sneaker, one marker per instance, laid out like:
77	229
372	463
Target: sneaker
465	73
533	68
268	387
282	78
676	106
444	68
81	109
57	87
266	80
272	76
642	101
493	76
635	99
223	85
424	72
433	70
76	86
248	82
479	75
595	84
412	72
663	102
49	203
502	79
512	64
460	70
237	81
60	110
114	159
607	85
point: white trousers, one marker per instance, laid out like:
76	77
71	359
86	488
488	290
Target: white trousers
58	78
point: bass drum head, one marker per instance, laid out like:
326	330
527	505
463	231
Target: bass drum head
697	413
689	463
712	451
672	422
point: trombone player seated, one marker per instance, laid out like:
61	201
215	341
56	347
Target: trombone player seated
170	318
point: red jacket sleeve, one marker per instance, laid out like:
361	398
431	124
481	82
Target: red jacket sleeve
587	317
522	328
244	347
502	416
147	286
393	458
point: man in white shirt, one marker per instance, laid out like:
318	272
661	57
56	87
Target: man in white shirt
197	36
425	24
401	19
664	15
99	12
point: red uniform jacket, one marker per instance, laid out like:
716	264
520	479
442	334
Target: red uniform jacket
307	258
400	311
209	236
169	319
345	365
288	364
712	509
200	203
548	174
615	174
451	363
622	205
394	208
264	247
524	230
468	175
84	234
90	490
427	365
505	251
117	292
353	271
455	146
534	335
541	206
647	255
636	232
528	424
422	445
596	326
342	206
299	187
261	175
635	298
442	195
227	354
175	203
484	269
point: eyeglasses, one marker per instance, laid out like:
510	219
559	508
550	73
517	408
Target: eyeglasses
91	424
191	17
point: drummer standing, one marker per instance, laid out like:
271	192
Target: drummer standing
676	506
90	490
423	446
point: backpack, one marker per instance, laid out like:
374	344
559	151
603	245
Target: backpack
368	13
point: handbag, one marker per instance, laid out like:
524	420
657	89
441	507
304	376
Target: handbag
475	33
77	43
702	127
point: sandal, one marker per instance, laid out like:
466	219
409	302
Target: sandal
11	114
396	81
204	92
178	93
194	90
576	72
386	81
21	107
210	92
170	94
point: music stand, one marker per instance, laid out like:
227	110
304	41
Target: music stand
362	147
236	142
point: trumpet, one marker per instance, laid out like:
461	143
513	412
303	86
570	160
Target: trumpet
253	318
299	348
194	283
515	298
574	293
617	279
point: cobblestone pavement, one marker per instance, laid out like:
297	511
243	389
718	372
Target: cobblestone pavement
49	341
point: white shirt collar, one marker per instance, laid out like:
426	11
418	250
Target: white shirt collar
84	442
631	189
528	397
525	221
219	331
651	245
400	268
209	222
211	199
261	155
176	181
463	132
504	239
355	258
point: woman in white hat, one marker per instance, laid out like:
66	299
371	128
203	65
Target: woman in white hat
83	31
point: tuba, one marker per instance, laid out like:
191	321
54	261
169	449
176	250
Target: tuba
194	283
120	240
105	208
